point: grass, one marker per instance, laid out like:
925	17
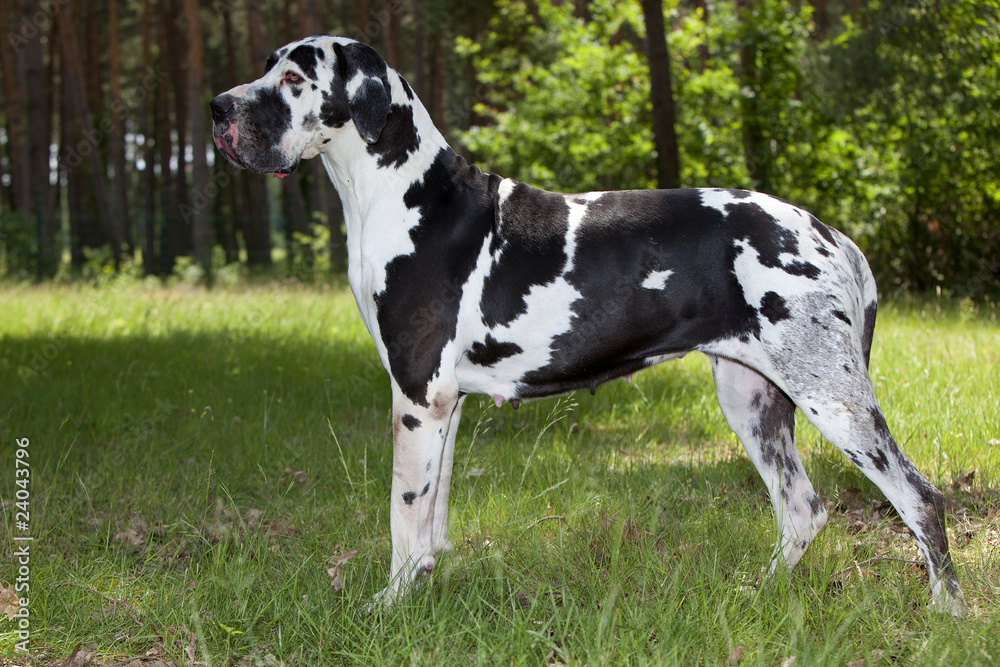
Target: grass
197	458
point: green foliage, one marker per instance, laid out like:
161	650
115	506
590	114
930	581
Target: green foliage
921	79
569	111
886	131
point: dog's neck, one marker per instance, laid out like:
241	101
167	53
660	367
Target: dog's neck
373	196
362	184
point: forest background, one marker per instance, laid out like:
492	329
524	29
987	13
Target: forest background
882	118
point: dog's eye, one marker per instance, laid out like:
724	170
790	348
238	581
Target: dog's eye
292	77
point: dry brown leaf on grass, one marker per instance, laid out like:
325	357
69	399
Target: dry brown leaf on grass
964	480
81	655
736	655
10	604
336	572
293	475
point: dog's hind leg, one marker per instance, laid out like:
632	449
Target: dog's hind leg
854	423
821	364
763	418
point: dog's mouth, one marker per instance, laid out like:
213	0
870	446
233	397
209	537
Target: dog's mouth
228	151
228	140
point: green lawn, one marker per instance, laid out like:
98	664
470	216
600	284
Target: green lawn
197	457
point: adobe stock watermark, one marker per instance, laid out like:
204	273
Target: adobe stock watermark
30	27
22	539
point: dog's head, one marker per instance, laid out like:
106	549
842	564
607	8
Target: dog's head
311	90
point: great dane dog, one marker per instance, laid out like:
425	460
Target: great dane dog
469	282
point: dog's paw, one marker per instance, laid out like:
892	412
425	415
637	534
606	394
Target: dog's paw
383	600
950	604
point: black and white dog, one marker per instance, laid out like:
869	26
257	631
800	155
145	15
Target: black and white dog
469	282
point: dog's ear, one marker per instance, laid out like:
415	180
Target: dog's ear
368	99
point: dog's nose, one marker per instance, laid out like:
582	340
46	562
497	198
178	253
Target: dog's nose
222	106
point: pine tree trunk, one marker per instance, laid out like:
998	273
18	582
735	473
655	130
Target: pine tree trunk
87	147
150	263
176	228
391	31
257	229
661	92
201	214
756	152
119	202
36	99
12	62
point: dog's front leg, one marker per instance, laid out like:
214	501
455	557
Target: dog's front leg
423	441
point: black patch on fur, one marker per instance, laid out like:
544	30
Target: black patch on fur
406	88
868	333
369	109
427	488
359	57
296	91
333	111
823	230
455	202
816	505
841	315
617	325
773	307
768	238
881	428
879	460
411	422
804	269
304	56
399	138
529	238
491	351
409	497
776	424
272	60
267	118
823	251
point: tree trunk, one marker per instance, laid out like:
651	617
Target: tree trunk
436	67
74	176
821	19
756	151
257	229
150	263
93	69
361	21
87	147
258	53
119	202
235	190
661	93
391	32
12	62
168	209
201	212
309	23
703	53
37	103
419	46
176	228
